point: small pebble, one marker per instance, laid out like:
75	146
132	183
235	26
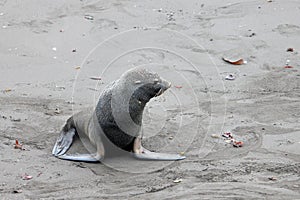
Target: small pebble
95	78
89	17
57	111
17	191
228	141
27	177
215	136
230	77
178	180
272	178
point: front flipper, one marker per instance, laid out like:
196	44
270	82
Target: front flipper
63	143
140	152
81	157
149	155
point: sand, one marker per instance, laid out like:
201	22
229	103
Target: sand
49	51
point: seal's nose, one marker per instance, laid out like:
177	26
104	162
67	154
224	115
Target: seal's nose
165	85
169	84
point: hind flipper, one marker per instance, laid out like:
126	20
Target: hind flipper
142	153
63	143
81	157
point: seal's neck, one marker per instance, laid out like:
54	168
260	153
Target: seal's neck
136	109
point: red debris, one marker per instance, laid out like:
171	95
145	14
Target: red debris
178	86
18	145
227	135
238	144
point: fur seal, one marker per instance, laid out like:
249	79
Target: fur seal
117	119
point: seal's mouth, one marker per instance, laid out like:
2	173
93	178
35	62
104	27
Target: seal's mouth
164	86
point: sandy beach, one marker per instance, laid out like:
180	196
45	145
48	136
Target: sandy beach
57	57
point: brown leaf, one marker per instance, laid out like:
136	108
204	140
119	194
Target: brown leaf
237	62
288	66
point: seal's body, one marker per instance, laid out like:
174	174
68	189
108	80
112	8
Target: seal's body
117	118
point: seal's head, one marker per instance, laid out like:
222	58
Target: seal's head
144	84
141	85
